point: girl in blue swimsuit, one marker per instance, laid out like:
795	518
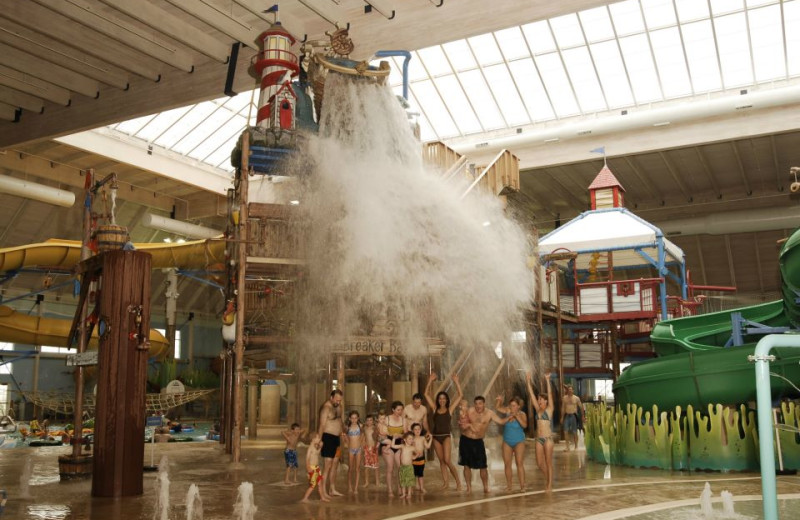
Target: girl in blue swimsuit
513	439
355	441
544	433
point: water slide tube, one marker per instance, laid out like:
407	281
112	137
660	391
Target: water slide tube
65	254
694	366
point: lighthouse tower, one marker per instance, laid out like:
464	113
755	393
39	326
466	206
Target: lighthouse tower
606	191
275	66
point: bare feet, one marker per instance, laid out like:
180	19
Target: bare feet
509	489
458	486
325	499
335	493
422	490
469	488
485	489
304	500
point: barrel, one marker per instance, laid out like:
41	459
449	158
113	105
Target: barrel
70	467
111	237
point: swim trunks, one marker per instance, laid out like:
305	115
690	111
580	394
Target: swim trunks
406	475
371	457
571	422
419	466
330	445
314	476
471	453
290	456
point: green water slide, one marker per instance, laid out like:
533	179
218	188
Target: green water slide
694	365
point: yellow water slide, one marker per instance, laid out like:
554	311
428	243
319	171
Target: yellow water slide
65	254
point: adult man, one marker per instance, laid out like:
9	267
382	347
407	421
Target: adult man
471	450
570	408
330	430
415	413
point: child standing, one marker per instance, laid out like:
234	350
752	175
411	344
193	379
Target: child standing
314	473
408	452
421	443
292	436
371	450
355	443
464	423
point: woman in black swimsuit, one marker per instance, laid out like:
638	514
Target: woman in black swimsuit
442	418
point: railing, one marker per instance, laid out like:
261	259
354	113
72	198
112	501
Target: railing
440	156
500	177
624	299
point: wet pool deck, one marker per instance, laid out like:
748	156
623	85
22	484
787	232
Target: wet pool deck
581	488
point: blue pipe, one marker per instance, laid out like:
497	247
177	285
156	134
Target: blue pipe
407	56
762	358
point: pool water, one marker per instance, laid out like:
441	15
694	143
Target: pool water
788	509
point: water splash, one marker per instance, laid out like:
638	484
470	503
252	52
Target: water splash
25	478
194	504
391	241
113	206
727	504
706	509
245	507
162	490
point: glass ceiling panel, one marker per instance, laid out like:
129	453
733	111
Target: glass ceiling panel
204	138
435	109
734	51
691	10
184	125
767	43
658	13
557	84
671	64
596	24
416	71
539	37
485	49
435	61
512	43
425	128
459	106
701	52
612	74
481	99
726	6
160	123
639	62
627	17
505	92
791	15
567	31
132	126
532	90
188	141
756	3
584	80
460	56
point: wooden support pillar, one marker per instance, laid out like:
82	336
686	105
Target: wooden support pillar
614	351
228	392
122	373
252	403
340	378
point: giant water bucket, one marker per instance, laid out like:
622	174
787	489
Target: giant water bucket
110	237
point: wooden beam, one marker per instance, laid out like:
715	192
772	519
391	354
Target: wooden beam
144	97
66	31
221	21
45	47
676	177
91	15
48	71
22	100
745	180
647	183
33	86
713	180
167	23
758	263
71	176
270	211
779	179
8	112
730	260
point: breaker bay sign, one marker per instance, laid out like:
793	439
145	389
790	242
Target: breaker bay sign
381	346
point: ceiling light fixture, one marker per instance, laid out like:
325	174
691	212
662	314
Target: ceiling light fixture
294	202
178	227
36	191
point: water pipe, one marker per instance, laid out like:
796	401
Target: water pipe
407	56
761	358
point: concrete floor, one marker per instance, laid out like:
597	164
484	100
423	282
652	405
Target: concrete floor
581	488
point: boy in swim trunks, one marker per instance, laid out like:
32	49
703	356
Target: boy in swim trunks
292	436
314	473
408	452
421	444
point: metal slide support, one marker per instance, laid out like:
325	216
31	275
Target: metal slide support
761	358
662	271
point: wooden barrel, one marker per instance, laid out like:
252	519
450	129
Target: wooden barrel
70	467
110	237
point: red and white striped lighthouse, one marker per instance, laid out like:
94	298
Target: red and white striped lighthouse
276	65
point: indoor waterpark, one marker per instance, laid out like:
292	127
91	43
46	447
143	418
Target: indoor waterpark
276	259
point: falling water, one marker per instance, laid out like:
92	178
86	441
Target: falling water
194	504
25	477
113	206
245	507
706	509
389	239
162	490
727	504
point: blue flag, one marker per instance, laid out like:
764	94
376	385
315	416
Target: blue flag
601	150
273	9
